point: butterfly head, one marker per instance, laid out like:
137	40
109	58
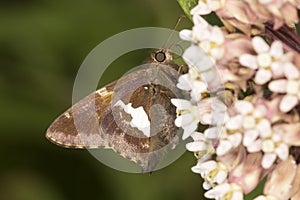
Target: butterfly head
161	56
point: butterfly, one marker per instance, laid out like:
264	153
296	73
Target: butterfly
133	116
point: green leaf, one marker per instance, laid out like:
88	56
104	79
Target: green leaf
187	6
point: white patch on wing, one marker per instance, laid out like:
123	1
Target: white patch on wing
139	117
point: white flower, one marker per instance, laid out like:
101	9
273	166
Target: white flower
273	147
218	115
226	191
192	82
290	86
228	141
209	38
258	133
251	121
201	146
206	7
214	173
270	143
187	116
268	60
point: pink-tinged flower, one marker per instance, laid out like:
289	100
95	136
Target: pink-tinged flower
267	62
250	15
207	37
276	144
284	180
230	134
230	191
214	173
240	15
234	158
271	144
187	116
250	121
290	133
272	108
229	66
258	134
282	11
248	173
290	86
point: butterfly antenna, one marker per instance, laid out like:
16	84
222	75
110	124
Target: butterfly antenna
174	30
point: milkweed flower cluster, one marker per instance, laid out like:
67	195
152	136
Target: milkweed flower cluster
244	88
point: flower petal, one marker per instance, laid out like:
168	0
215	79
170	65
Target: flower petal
218	191
255	147
243	107
268	160
188	130
277	69
186	34
260	45
250	137
237	195
291	133
282	151
287	103
278	86
235	139
206	185
195	56
211	133
224	147
290	71
208	166
276	49
248	60
183	120
220	177
262	76
184	82
234	123
201	9
217	35
264	128
197	136
181	104
279	181
196	146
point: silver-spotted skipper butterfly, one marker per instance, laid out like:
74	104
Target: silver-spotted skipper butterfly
133	116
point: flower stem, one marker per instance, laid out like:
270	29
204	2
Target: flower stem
285	34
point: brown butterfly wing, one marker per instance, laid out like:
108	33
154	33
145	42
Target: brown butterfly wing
78	127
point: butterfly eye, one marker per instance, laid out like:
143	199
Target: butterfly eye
160	56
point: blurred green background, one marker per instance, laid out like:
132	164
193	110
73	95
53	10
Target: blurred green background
42	44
